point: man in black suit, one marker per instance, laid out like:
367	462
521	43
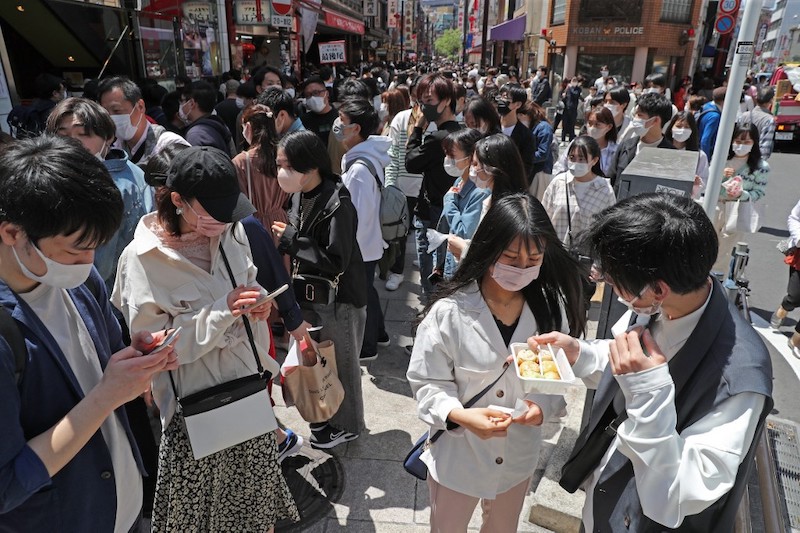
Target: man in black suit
682	390
509	100
541	91
652	112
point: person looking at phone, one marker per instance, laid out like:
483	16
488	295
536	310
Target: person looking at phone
66	438
174	274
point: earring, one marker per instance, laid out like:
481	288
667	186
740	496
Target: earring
179	211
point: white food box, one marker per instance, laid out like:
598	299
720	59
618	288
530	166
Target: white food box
546	386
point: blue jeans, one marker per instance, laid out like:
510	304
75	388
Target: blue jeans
425	259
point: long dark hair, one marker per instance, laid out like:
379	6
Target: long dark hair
265	136
587	147
484	112
754	156
559	282
305	152
500	158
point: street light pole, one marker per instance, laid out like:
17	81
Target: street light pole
484	32
466	21
402	27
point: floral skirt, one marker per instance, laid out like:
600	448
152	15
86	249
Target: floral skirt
240	489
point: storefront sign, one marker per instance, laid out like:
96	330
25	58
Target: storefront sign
343	23
606	33
744	52
391	9
253	12
370	8
199	11
332	52
280	21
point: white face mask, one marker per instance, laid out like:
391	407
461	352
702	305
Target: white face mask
123	128
247	133
480	183
604	73
315	104
654	90
639	126
596	132
57	275
383	112
512	278
614	108
290	91
741	149
579	170
451	166
681	134
291	181
650	310
101	156
240	103
181	114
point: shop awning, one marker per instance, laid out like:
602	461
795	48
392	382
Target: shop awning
510	30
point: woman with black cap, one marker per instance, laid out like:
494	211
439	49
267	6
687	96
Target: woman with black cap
176	273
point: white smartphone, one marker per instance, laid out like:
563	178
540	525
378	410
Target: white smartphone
169	339
267	296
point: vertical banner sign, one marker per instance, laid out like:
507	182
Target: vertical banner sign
370	8
391	9
332	52
744	53
308	24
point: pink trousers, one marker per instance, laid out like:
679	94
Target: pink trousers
451	510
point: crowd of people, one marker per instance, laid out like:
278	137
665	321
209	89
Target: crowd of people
191	203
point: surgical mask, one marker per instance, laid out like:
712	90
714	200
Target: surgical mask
383	112
431	112
578	169
451	166
338	130
512	278
604	73
291	181
123	128
653	90
57	275
290	91
247	133
240	103
480	183
64	95
181	114
596	132
614	108
650	310
741	149
681	134
207	226
470	85
315	104
639	126
100	155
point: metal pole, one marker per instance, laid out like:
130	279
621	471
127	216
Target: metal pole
402	27
484	32
741	62
466	21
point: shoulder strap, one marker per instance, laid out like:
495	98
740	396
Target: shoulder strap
367	163
249	178
472	401
9	330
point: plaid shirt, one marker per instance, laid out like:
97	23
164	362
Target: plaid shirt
597	197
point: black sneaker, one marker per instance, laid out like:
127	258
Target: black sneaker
290	446
383	341
328	437
364	358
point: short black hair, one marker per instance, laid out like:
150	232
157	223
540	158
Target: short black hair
45	84
130	90
515	92
152	93
620	95
765	94
170	104
655	105
58	176
349	88
657	79
204	95
361	111
325	72
277	100
258	76
543	68
247	90
93	116
651	237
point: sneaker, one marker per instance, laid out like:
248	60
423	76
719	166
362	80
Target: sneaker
366	357
383	341
394	281
328	437
795	349
775	321
290	446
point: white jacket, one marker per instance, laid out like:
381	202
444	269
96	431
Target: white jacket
158	288
458	351
365	194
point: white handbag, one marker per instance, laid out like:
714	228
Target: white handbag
744	217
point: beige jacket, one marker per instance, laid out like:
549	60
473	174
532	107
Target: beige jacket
158	288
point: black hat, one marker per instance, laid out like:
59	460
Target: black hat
208	175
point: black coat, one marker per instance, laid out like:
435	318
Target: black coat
523	139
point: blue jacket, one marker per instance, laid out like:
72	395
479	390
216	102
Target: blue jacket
542	139
82	495
707	125
460	216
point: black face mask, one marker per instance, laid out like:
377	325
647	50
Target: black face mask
503	106
431	112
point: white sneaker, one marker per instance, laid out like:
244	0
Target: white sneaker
393	281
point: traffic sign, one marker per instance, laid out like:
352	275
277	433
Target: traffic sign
729	6
723	25
282	7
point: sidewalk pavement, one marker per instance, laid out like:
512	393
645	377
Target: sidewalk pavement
377	494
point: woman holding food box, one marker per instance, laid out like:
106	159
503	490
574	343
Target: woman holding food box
517	279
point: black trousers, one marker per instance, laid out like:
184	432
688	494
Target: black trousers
792	298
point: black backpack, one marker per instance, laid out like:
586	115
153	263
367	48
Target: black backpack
10	332
24	122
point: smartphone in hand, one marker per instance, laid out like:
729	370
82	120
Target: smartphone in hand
169	339
266	297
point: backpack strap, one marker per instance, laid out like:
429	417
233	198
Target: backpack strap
10	331
367	163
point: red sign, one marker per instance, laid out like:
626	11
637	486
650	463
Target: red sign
343	23
724	24
282	7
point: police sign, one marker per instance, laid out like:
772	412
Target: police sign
332	52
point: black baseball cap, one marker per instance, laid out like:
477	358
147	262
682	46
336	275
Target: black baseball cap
208	175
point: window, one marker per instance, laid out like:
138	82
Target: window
678	11
610	10
559	12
